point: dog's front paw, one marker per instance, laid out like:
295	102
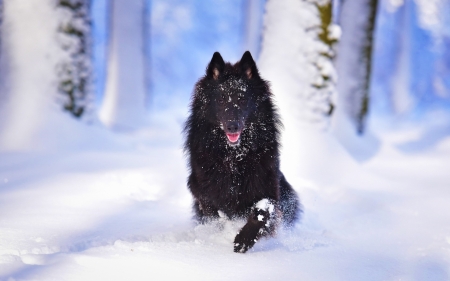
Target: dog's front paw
244	241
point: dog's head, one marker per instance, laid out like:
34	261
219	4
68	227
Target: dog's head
234	97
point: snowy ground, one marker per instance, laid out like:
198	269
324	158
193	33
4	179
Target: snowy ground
122	212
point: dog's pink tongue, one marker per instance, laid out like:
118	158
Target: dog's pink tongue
233	137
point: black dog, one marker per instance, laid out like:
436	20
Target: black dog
232	142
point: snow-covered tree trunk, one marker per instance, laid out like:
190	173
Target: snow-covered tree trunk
1	19
299	66
353	62
2	95
123	105
329	34
297	59
29	55
75	68
1	16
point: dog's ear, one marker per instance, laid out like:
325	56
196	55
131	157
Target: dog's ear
215	67
248	66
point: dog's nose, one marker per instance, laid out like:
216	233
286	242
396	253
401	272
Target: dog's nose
232	127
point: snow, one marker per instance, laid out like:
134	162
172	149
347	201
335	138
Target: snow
432	14
265	205
335	31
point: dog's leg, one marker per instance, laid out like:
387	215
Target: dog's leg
204	212
262	221
289	203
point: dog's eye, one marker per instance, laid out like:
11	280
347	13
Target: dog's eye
221	101
243	101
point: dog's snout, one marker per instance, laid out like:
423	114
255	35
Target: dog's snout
232	127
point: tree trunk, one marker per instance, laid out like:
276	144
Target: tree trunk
297	57
329	34
297	60
354	59
1	17
75	69
253	17
29	56
1	21
123	106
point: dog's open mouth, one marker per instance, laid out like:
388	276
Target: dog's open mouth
233	137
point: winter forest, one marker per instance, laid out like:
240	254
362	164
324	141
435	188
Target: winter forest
93	99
